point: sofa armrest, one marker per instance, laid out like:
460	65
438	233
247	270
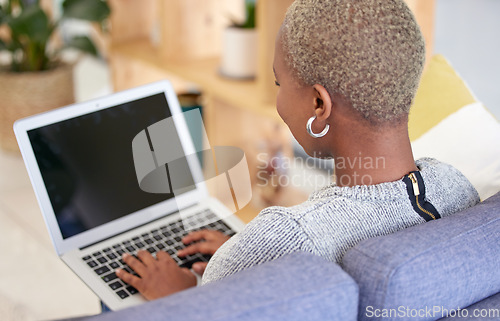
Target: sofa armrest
299	286
445	264
485	310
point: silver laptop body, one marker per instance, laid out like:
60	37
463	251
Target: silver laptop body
81	164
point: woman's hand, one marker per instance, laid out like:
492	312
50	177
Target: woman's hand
158	277
162	276
207	242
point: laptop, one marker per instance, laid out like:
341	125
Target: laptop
117	174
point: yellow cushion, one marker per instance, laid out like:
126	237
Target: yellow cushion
441	93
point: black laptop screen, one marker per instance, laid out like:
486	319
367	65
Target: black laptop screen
87	164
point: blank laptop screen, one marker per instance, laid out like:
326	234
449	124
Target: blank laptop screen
87	164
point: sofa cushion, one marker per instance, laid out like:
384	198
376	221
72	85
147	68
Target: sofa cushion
484	310
468	140
441	93
448	263
448	123
299	286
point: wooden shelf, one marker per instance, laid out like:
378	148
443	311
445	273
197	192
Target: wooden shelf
247	213
242	94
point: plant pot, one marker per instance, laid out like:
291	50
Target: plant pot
239	54
28	93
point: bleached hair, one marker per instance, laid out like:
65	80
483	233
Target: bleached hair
371	52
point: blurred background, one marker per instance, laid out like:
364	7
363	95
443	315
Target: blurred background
187	42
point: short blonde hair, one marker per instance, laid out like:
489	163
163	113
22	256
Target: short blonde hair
371	52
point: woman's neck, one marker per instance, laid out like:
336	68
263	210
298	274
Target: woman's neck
369	158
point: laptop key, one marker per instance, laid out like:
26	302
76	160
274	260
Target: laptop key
132	290
114	265
86	258
109	277
102	259
140	245
122	294
96	253
115	285
187	263
101	270
112	256
92	264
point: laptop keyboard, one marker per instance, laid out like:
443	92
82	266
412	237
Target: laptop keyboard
165	238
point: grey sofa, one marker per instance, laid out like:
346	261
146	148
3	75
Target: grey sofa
447	269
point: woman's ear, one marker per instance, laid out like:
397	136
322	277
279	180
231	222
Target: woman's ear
322	103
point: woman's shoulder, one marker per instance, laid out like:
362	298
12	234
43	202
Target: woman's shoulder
443	182
333	199
446	187
437	174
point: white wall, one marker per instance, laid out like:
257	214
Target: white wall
468	34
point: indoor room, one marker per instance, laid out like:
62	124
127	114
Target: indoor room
117	116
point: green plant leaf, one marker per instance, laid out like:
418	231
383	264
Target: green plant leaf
32	23
30	32
91	10
27	3
82	43
3	13
249	22
250	9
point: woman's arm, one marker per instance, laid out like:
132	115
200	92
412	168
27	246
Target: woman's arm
272	234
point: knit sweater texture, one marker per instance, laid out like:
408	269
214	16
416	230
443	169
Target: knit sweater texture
334	219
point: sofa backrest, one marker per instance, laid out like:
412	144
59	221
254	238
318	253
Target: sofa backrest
299	286
429	269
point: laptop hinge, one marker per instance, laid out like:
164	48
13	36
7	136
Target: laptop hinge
133	228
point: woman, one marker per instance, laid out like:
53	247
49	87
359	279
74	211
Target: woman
347	72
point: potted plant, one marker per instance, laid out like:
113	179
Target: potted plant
35	78
239	54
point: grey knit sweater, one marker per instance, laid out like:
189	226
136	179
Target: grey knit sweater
335	219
